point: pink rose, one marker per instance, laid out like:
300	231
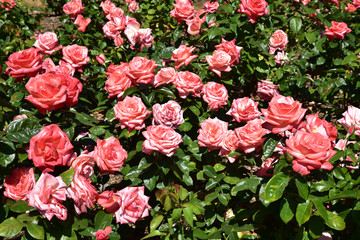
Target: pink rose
310	151
49	66
316	125
356	3
110	30
83	164
244	110
194	25
109	200
51	91
117	83
47	43
183	11
278	41
112	68
164	76
144	37
47	195
25	63
305	2
49	148
134	205
103	234
19	183
212	133
267	90
116	14
107	6
82	22
168	114
20	116
141	70
219	62
133	6
253	9
76	55
229	143
109	155
211	7
281	58
100	58
283	113
215	95
183	55
188	82
8	4
351	120
131	113
350	8
251	136
230	48
266	167
118	41
338	30
73	8
162	139
82	192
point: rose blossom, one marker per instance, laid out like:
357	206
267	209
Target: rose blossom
267	165
118	41
194	25
109	155
212	133
83	164
356	3
219	62
267	90
351	120
47	195
283	113
141	70
215	94
305	2
188	82
51	91
49	148
251	136
100	58
19	183
230	48
76	55
253	9
112	68
137	35
47	43
117	83
183	55
20	116
161	138
350	8
73	8
8	4
25	63
82	22
109	200
134	205
133	6
229	143
168	114
107	6
316	125
211	7
244	110
110	30
164	76
281	58
338	30
117	16
278	41
131	113
49	66
103	234
183	10
310	151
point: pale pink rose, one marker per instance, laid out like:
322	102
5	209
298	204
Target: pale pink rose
350	8
109	155
281	58
183	55
131	113
73	8
103	234
76	55
194	25
310	151
82	22
117	83
229	143
100	58
211	7
133	6
109	200
119	69
141	70
278	41
83	164
107	6
168	114
341	145
253	9
251	136
219	62
162	139
316	125
132	22
215	95
19	183
188	82
118	41
20	116
351	120
184	10
230	48
134	205
244	110
131	32
47	43
164	76
110	30
338	30
49	148
8	4
144	37
267	90
119	21
82	192
47	195
212	133
266	167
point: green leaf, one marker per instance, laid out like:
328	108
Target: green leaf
302	187
222	198
154	234
331	219
22	130
36	231
209	171
185	127
97	130
166	53
68	176
214	32
110	114
10	227
295	24
103	220
245	184
195	110
155	222
286	212
303	212
269	147
167	203
188	215
232	180
129	91
7	152
350	58
151	183
274	189
311	37
219	167
176	214
19	206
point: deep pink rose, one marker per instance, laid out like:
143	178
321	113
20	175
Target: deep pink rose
278	41
251	136
188	82
351	120
109	200
316	125
19	183
103	234
82	22
8	4
117	83
338	30
49	148
219	62
183	55
211	7
47	43
229	143
109	155
162	139
76	55
133	6
141	70
267	90
164	76
215	95
51	91
83	164
230	48
107	6
168	114
212	133
184	10
134	205
253	9
73	8
244	110
47	195
310	151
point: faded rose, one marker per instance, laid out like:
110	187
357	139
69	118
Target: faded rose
229	143
188	82
219	62
168	114
244	110
253	9
133	6
212	133
267	90
83	164
107	6
183	55
215	94
47	43
351	120
251	136
278	41
19	183
338	30
316	125
211	7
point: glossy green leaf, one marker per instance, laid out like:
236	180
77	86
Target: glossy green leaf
22	130
10	227
36	231
302	186
274	189
68	176
286	213
188	215
103	220
155	222
7	152
295	24
269	147
303	212
245	184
